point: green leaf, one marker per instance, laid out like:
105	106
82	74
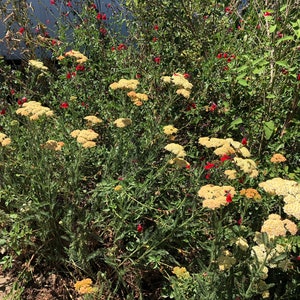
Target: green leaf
235	122
243	82
258	70
269	128
282	63
285	38
272	28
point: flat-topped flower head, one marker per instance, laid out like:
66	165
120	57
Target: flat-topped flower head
169	129
34	110
80	58
84	286
216	196
277	158
176	149
181	272
250	193
92	120
85	137
122	122
125	84
53	145
37	64
4	140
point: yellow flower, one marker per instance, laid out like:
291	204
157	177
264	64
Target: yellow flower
181	272
166	79
277	158
179	80
53	145
92	120
242	243
185	93
274	226
80	58
176	149
84	286
179	162
215	196
4	140
37	64
281	187
251	193
122	122
231	174
130	84
88	144
247	165
292	205
118	188
34	110
170	129
226	260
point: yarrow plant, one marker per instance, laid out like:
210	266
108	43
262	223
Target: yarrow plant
157	163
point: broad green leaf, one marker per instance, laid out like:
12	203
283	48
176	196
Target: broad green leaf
243	82
236	122
282	63
242	68
259	70
272	28
269	129
241	76
285	38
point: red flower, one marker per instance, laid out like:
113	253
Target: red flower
70	75
52	2
113	48
279	34
93	6
69	4
64	105
108	5
225	55
122	47
12	91
53	42
21	30
157	60
207	176
209	166
155	27
267	14
298	77
213	106
99	16
139	228
2	112
220	55
155	39
138	75
239	221
225	157
104	17
191	106
188	167
186	75
80	68
103	31
228	198
284	71
228	10
244	141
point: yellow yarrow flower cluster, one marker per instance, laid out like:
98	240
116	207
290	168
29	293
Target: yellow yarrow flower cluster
247	166
225	146
277	158
84	286
122	122
215	196
80	58
4	140
226	260
178	150
274	226
169	129
37	64
92	120
289	189
53	145
137	98
125	84
85	137
179	80
250	193
34	110
181	272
